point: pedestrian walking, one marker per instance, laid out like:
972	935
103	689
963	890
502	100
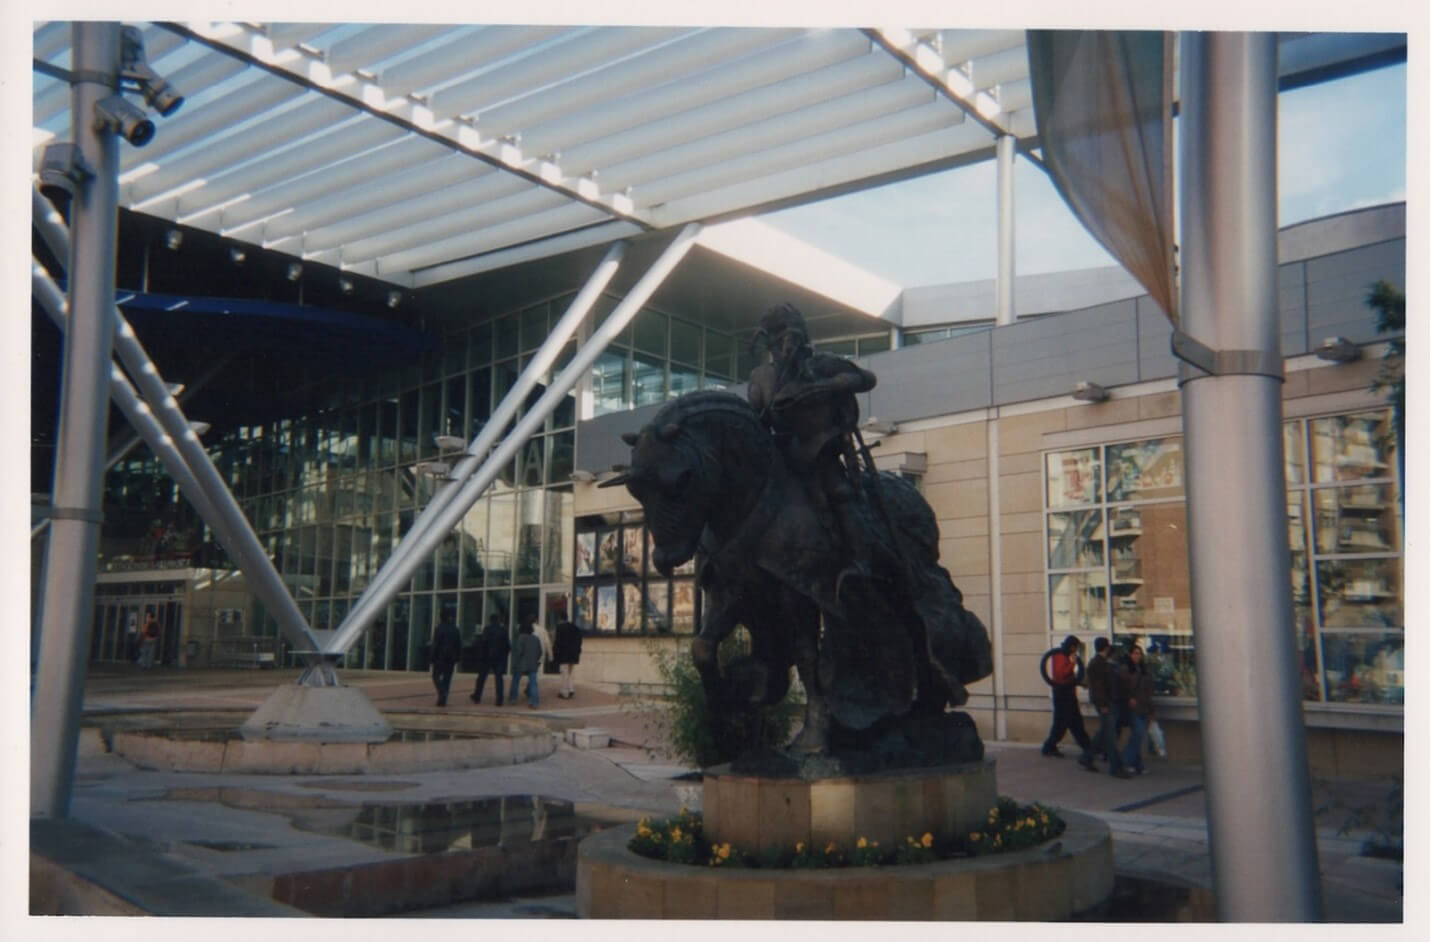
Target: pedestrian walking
492	649
148	640
446	651
1101	687
1137	683
526	661
567	654
1066	665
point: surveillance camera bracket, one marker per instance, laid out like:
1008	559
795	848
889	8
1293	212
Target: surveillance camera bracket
1208	362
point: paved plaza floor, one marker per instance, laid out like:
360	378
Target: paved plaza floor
219	826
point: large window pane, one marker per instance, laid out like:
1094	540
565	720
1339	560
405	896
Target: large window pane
608	381
1145	470
1075	539
1365	668
684	342
647	380
1358	519
649	332
1351	447
1073	478
1079	602
1359	593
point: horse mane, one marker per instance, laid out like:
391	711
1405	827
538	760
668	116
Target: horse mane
737	420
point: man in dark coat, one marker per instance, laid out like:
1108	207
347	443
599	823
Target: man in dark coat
1066	715
446	651
566	652
494	646
1101	691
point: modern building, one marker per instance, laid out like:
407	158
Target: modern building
1049	448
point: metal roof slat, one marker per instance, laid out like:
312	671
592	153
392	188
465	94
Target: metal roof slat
473	50
205	121
468	214
731	111
225	151
1015	96
664	65
814	176
194	80
961	45
380	203
311	190
356	137
840	140
817	50
523	229
769	133
288	35
474	264
999	67
51	39
582	52
365	49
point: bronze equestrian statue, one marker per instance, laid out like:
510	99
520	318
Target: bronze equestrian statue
831	566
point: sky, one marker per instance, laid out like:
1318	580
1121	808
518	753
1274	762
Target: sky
942	227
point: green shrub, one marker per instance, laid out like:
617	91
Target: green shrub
694	733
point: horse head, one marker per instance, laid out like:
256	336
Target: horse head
677	471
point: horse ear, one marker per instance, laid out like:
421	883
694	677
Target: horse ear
667	432
630	438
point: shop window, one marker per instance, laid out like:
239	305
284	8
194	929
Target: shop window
618	591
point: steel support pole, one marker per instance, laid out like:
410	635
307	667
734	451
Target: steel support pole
241	542
1259	818
364	612
413	553
1006	268
68	587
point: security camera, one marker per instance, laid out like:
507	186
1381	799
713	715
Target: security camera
158	94
117	115
62	171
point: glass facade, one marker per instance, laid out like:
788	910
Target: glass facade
1115	529
331	492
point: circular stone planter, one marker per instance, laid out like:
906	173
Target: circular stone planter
417	746
757	811
1067	875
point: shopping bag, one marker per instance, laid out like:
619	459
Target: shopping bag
1156	739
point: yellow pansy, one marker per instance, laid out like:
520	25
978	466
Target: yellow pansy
799	847
831	847
863	842
927	839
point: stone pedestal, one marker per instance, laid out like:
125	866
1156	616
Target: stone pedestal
755	812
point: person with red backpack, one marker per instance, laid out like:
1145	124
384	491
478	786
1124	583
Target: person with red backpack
1064	675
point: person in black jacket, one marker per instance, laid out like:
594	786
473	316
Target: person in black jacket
494	646
446	651
1101	691
567	654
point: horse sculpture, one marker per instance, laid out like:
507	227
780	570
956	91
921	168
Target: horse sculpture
880	658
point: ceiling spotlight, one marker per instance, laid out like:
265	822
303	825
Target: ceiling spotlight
581	476
345	285
237	255
394	298
876	426
1088	392
1338	350
173	239
295	271
446	443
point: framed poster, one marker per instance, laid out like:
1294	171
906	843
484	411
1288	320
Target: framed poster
631	606
610	552
583	607
657	606
683	606
585	554
633	550
606	608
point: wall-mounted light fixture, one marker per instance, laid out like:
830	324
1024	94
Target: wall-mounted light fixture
394	298
877	426
173	239
237	255
432	469
447	443
1088	391
581	476
1338	350
294	272
345	285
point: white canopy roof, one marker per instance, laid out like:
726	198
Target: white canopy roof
417	154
